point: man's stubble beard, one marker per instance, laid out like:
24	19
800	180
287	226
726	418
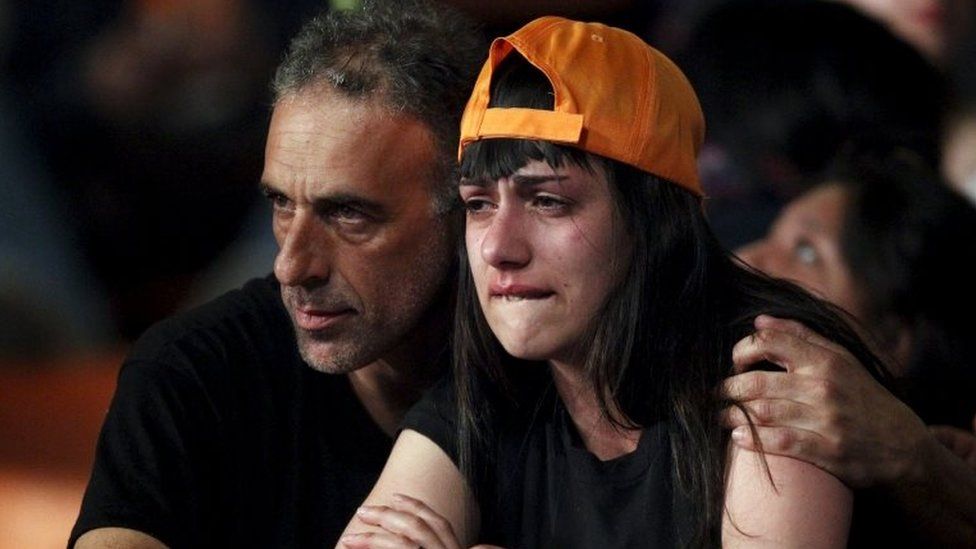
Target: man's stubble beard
341	360
367	338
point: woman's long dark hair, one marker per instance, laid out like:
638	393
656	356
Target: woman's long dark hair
663	341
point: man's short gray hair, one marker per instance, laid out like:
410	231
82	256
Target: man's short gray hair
416	57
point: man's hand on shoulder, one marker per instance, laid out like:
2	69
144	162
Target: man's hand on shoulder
825	408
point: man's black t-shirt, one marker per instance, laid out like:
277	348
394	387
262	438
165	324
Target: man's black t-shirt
220	435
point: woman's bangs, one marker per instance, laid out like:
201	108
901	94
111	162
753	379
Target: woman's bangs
493	159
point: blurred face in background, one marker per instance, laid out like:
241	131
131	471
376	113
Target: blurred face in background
921	23
959	155
803	246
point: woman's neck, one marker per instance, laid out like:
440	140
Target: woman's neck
602	438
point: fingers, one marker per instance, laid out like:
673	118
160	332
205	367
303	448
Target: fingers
796	350
771	412
780	386
440	525
377	540
407	522
795	443
797	329
773	346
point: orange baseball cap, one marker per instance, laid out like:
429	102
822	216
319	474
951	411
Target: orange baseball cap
615	96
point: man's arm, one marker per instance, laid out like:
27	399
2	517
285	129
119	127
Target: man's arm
827	410
152	448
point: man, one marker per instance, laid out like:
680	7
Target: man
219	433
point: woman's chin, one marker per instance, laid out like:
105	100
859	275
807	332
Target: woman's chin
526	349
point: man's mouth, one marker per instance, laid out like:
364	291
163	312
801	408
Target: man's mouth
317	319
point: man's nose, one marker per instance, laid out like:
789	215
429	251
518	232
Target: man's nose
304	254
506	245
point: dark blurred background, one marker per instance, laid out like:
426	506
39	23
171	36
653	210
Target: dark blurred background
131	144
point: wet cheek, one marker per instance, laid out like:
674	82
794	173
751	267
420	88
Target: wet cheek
472	240
473	243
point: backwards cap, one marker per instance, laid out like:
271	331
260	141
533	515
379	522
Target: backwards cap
615	96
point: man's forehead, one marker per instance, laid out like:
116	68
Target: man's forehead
322	139
318	111
323	97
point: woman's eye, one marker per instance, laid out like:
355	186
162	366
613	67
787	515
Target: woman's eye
476	205
805	253
547	202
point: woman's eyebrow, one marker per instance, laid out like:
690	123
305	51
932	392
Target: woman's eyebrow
474	182
520	180
532	180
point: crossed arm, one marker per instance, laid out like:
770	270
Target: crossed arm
420	500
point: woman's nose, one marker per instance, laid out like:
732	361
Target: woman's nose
506	244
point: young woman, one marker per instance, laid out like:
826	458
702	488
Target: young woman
596	317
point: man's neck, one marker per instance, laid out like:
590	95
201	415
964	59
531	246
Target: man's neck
388	387
388	390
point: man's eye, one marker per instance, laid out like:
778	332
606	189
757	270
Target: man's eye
805	253
348	214
279	201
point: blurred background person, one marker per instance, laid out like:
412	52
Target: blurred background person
928	25
49	300
148	117
959	139
883	237
783	84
